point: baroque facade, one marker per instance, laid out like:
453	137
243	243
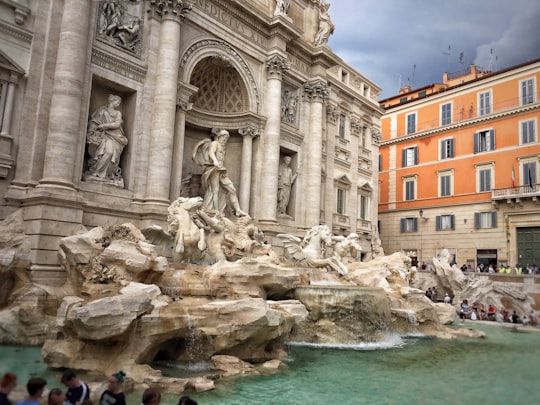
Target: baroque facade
104	102
459	168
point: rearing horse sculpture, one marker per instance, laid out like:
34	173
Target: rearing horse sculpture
312	248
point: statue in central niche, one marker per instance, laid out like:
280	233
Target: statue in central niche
216	185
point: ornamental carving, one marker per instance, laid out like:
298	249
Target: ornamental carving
289	106
120	24
170	9
277	65
316	90
356	126
249	131
332	112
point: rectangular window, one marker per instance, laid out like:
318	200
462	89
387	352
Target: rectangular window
411	123
484	103
447	148
380	162
365	132
364	207
409	224
402	99
528	174
410	189
446	114
341	207
445	185
409	156
484	141
485	219
528	133
484	180
342	126
527	91
445	222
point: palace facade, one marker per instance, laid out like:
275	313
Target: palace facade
459	168
103	102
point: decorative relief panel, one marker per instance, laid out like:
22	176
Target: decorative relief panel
290	105
120	24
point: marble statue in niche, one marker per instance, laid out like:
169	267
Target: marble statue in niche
119	27
281	7
286	179
216	185
106	141
326	27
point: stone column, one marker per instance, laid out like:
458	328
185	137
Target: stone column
164	104
316	92
8	109
65	112
182	106
247	157
277	66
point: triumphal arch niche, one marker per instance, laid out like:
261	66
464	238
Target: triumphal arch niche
123	98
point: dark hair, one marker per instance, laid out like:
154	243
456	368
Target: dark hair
54	391
119	376
8	379
185	400
35	384
150	394
68	375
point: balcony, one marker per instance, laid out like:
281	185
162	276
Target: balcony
516	194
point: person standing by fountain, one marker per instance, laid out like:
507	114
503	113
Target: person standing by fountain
114	395
35	388
8	382
78	390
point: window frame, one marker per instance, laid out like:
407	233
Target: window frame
410	123
485	138
363	206
446	147
524	172
440	221
532	122
492	221
342	125
527	95
410	188
408	225
484	109
405	156
446	116
446	174
341	201
480	177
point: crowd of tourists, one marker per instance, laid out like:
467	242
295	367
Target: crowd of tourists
77	392
516	270
479	312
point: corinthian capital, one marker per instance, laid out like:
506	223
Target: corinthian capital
249	131
316	90
277	65
170	9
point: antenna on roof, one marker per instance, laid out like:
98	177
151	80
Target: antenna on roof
492	66
399	81
448	53
413	73
461	58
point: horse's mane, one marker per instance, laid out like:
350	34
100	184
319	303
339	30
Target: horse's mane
311	233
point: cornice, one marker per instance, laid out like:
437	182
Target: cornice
16	32
117	65
462	124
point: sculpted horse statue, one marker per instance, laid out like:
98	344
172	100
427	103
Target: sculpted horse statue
311	250
345	246
191	230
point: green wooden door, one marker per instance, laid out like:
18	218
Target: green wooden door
528	246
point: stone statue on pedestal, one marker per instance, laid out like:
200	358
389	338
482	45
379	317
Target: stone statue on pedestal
216	184
106	140
326	27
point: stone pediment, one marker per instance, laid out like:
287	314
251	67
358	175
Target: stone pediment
6	63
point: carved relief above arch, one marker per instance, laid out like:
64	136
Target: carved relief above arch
206	50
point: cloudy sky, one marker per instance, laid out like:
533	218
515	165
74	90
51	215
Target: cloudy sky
399	42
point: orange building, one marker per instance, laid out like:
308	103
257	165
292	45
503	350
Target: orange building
459	166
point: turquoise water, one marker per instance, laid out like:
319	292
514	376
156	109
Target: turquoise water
498	369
